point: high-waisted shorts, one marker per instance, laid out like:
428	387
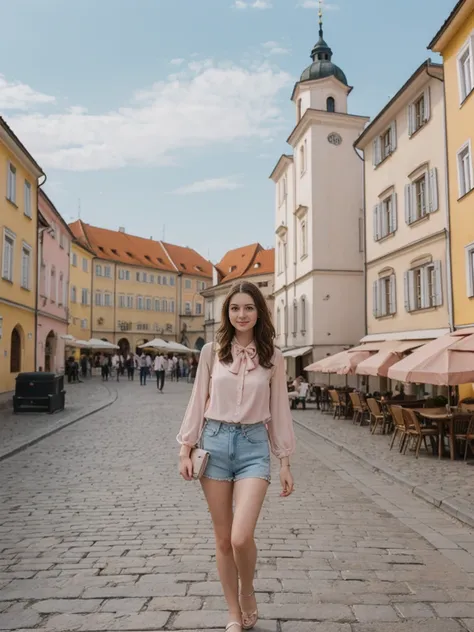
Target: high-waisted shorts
237	451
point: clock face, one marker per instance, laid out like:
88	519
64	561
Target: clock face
334	138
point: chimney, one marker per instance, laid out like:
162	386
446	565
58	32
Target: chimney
121	229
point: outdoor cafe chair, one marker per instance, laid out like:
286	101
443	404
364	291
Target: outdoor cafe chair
401	429
417	433
338	406
376	415
464	431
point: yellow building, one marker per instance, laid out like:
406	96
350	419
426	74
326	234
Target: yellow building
455	42
80	290
143	289
19	174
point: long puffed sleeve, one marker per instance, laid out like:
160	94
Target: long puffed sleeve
280	428
194	417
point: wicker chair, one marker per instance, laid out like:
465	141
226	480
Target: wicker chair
416	433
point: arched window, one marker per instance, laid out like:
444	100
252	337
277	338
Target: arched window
15	351
330	104
303	315
300	109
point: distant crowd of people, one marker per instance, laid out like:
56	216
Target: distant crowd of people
115	365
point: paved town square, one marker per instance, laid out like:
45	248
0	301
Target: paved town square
97	532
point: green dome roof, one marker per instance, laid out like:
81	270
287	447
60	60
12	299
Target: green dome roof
322	65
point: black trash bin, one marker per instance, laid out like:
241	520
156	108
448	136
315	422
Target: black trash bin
39	392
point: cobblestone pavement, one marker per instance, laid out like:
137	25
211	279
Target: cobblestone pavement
442	479
97	532
81	399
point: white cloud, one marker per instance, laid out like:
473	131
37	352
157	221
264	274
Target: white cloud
207	104
314	4
229	183
274	48
19	96
178	61
252	4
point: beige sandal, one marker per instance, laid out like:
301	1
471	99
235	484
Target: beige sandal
249	619
231	624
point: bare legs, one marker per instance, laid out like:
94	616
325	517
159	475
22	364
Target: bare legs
236	552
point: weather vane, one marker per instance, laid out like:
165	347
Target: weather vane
320	12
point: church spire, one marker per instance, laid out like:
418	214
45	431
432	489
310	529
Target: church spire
321	51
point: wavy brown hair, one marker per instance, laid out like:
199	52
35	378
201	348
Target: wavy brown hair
264	331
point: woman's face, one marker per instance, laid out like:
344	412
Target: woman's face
242	312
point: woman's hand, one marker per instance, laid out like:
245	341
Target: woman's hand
186	468
286	480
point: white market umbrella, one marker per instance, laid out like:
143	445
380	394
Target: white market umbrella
156	343
95	343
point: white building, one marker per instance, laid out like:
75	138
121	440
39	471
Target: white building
319	260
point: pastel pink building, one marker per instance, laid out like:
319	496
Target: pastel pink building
54	243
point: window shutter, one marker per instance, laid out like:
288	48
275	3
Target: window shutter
408	204
393	133
394	214
383	307
393	295
425	298
375	299
427	104
6	259
47	281
434	201
407	291
438	288
384	221
376	151
411	119
377	234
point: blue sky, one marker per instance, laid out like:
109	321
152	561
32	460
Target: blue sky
167	116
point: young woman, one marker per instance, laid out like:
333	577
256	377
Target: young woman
235	419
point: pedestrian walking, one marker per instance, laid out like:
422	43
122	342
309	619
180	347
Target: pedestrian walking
130	364
237	421
142	363
105	369
159	368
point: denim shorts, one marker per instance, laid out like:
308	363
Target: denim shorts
237	451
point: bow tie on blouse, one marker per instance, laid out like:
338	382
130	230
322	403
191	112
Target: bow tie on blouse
243	357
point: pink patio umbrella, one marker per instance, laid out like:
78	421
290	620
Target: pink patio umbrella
389	354
343	363
439	362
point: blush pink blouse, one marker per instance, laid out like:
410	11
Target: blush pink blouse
242	392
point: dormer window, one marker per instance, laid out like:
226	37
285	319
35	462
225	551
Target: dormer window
232	268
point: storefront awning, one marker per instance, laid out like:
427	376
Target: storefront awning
420	334
343	363
389	354
297	353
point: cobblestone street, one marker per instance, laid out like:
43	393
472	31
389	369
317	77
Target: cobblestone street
97	532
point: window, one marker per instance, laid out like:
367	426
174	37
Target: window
157	305
61	289
8	254
121	300
303	158
187	284
15	351
283	189
466	69
121	274
11	183
84	323
262	284
85	296
158	279
98	270
423	287
61	240
469	254
130	301
152	278
108	299
98	299
144	277
303	315
139	302
73	294
27	193
304	239
421	196
164	305
384	145
295	316
198	308
330	104
165	280
419	112
148	304
171	306
54	230
138	276
385	217
171	281
299	110
107	272
384	301
74	260
187	308
127	275
25	266
85	266
52	293
465	174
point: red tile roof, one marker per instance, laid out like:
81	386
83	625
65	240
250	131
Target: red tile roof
245	262
188	261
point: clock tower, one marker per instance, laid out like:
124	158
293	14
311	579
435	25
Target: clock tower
319	229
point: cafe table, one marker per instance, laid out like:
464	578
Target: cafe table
441	419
